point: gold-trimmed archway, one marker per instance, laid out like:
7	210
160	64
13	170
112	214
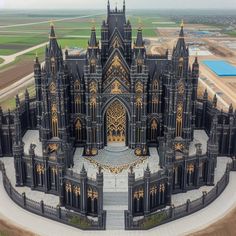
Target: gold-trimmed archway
116	123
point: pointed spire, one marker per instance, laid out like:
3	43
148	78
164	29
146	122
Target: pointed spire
26	94
205	95
214	101
93	39
17	101
231	109
108	6
139	40
123	5
181	33
213	133
52	34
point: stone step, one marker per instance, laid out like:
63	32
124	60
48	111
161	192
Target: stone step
115	199
115	220
111	148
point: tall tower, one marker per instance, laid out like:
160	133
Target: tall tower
18	147
93	86
139	79
55	100
179	96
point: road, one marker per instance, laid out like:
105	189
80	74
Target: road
48	21
10	58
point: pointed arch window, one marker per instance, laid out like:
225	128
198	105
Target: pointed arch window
54	119
179	119
77	85
93	108
153	130
78	131
139	66
92	66
139	105
78	104
180	66
154	104
155	85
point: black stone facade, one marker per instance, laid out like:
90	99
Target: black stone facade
157	94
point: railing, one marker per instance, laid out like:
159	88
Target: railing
54	213
173	213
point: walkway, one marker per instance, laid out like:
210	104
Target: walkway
199	220
10	58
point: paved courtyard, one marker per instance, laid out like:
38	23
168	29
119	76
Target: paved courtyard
115	162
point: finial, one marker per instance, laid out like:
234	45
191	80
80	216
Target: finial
182	23
93	24
51	23
139	23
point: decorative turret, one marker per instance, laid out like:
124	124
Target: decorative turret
124	6
108	6
18	145
93	43
54	57
214	102
213	133
181	55
212	151
139	40
195	68
231	109
205	95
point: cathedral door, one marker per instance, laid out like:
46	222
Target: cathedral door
116	124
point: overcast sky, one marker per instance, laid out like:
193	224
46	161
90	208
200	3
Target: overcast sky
132	4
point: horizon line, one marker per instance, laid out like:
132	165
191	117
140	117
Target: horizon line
129	9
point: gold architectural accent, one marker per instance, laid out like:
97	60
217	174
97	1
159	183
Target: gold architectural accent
116	121
115	88
153	190
93	101
139	193
53	147
139	87
93	87
162	188
54	170
182	23
54	120
40	169
94	151
76	190
52	88
68	187
92	194
115	169
181	88
179	119
154	124
155	85
138	151
139	101
77	85
190	168
179	147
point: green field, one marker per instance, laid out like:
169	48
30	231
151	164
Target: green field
19	37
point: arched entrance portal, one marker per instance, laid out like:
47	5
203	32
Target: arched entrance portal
116	124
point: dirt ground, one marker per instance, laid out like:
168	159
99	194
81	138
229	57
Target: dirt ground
224	227
15	72
7	229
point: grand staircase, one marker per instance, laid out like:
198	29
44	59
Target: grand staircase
115	204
